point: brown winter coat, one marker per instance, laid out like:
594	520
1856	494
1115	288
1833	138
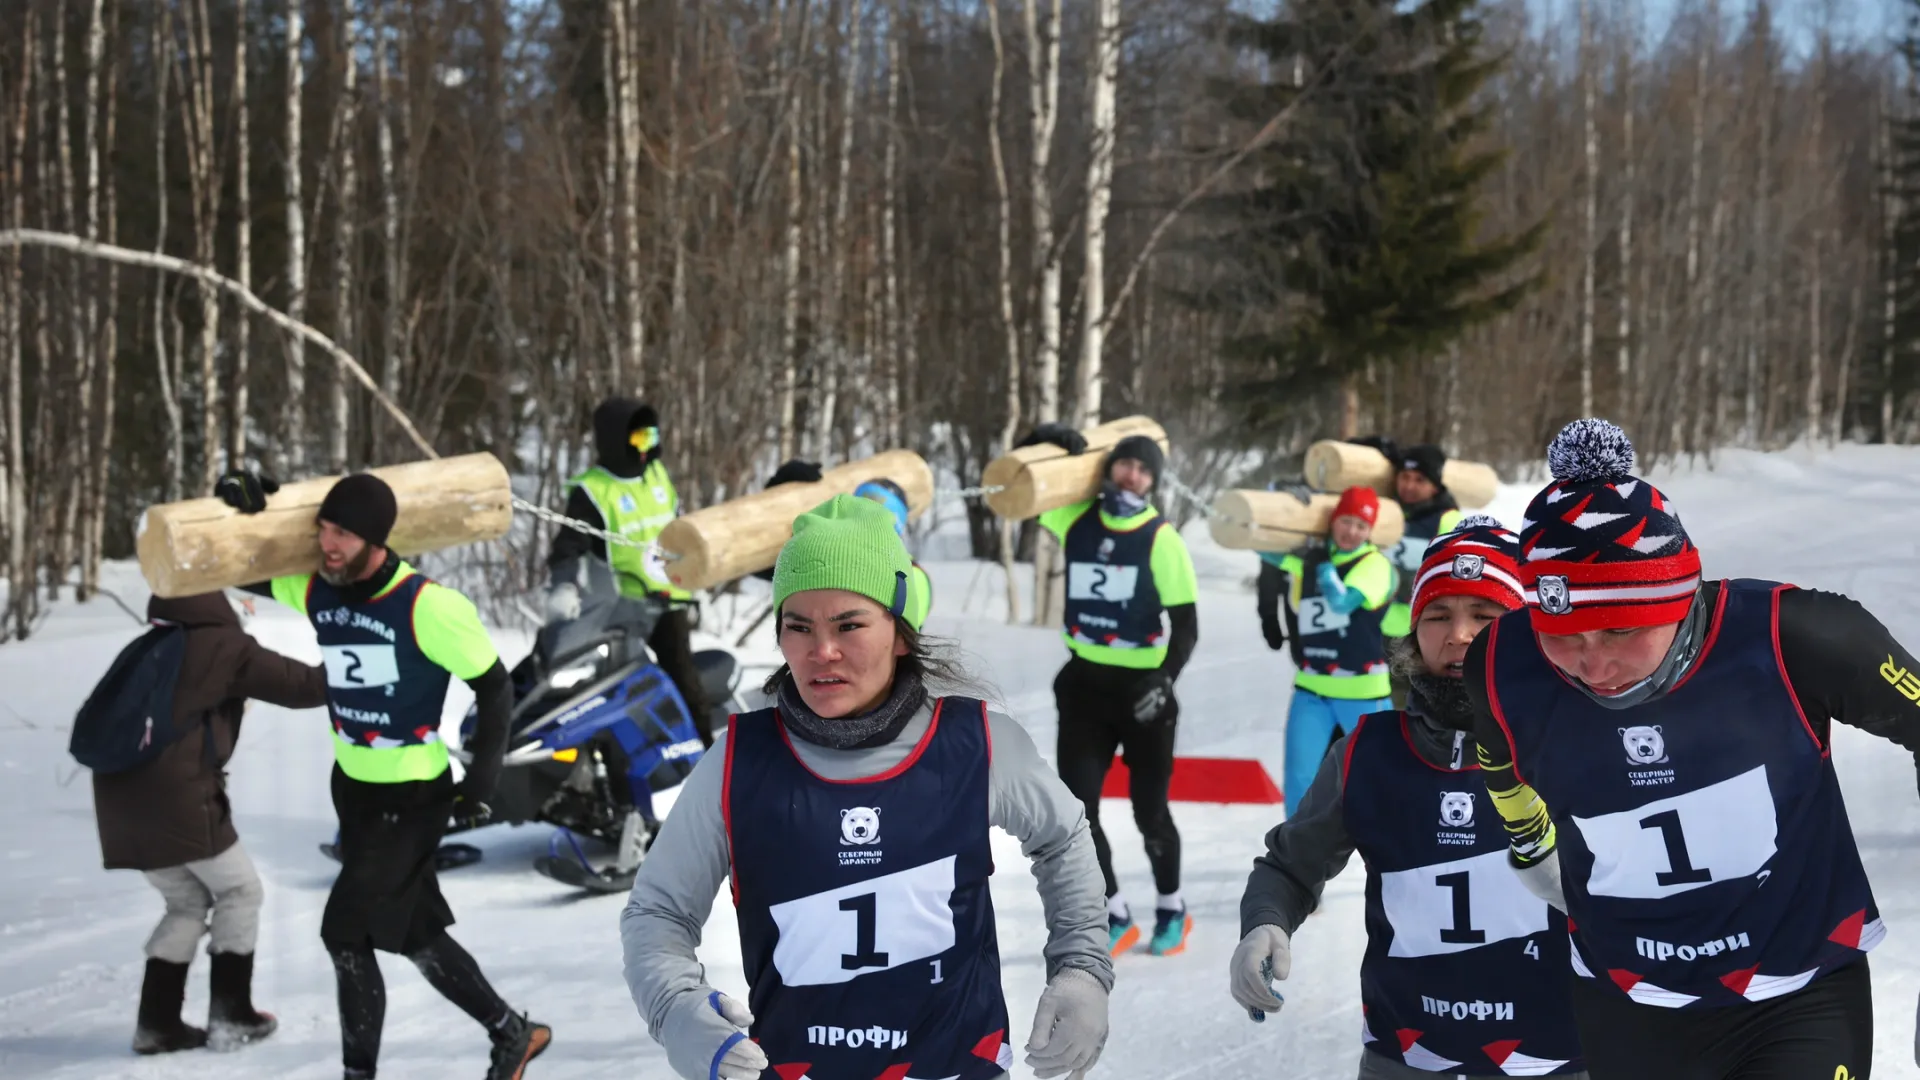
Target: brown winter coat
173	809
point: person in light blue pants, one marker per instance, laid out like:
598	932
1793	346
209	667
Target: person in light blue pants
1337	596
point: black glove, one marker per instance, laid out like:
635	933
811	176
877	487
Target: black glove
1275	635
469	811
795	472
244	491
1153	697
1059	435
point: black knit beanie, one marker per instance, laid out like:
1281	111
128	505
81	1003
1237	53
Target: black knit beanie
363	505
1426	459
1141	449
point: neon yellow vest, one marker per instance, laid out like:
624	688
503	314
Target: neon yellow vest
637	509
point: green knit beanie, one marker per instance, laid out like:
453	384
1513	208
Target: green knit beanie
846	543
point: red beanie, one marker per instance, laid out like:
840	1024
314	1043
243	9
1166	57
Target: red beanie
1360	502
1601	548
1478	558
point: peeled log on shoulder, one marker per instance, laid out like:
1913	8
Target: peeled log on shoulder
1277	521
202	545
742	536
1336	466
1044	477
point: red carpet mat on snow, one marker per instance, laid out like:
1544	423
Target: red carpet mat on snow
1206	780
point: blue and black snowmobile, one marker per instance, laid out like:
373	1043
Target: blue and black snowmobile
597	730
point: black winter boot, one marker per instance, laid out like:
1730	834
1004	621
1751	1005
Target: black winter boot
516	1042
160	1030
232	1021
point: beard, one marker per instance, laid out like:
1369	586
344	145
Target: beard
353	570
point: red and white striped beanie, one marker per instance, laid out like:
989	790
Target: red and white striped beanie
1602	549
1478	558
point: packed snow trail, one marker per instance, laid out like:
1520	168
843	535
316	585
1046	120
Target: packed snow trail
71	933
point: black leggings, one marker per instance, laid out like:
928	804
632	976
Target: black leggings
1823	1032
448	968
1096	718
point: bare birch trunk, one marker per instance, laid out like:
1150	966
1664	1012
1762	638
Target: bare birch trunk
677	240
22	597
206	219
1840	380
833	349
170	390
1106	77
346	224
293	419
610	289
1815	344
1043	70
393	348
1624	365
1009	431
243	241
1592	184
79	356
88	311
109	333
633	289
1684	399
889	240
1759	298
1890	210
790	318
1043	84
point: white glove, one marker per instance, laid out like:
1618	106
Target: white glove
1069	1027
705	1037
563	602
1542	879
1266	952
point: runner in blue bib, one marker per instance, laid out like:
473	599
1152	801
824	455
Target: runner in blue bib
853	818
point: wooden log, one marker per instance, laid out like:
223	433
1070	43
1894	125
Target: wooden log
1335	466
1276	521
201	545
1044	477
744	535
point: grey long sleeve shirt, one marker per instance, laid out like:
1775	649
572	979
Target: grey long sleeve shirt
674	891
1310	848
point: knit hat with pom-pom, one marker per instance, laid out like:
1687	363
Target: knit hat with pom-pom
1479	557
1600	548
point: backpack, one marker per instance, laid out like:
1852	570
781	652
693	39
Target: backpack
128	719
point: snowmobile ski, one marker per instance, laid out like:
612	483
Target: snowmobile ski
569	871
447	857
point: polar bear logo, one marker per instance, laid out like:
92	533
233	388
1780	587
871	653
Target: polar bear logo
1555	597
1645	745
860	825
1456	809
1469	567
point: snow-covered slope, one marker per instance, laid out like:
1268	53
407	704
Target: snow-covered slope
71	934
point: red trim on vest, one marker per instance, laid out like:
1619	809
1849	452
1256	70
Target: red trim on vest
1780	662
1493	698
1713	635
726	806
1406	734
1346	759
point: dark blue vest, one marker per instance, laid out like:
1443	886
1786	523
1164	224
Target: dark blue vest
1410	550
866	926
1465	970
381	689
1332	643
1111	595
1703	843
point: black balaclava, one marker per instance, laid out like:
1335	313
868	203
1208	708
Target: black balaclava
876	727
614	422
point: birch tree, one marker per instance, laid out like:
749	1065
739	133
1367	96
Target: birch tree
293	426
1102	94
242	240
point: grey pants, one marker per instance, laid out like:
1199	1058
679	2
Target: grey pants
225	888
1381	1067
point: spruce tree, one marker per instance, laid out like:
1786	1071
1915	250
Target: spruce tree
1900	262
1358	238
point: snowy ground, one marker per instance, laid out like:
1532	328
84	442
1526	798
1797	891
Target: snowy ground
70	934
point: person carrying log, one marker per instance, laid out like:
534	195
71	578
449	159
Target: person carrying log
887	494
628	493
392	641
1337	595
1126	567
1430	510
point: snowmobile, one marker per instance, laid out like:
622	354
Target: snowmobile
597	730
